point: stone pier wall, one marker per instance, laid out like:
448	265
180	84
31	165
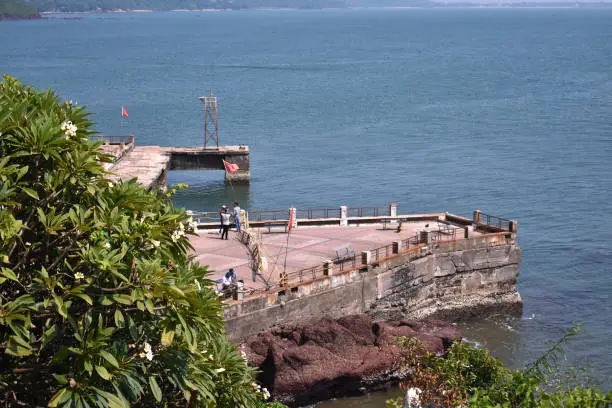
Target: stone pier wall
452	285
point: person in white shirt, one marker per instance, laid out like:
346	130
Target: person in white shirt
237	215
225	223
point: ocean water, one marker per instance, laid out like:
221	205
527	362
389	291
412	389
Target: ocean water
504	110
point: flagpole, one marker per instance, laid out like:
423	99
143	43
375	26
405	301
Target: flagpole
289	227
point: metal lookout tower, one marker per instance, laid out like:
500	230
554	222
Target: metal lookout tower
211	120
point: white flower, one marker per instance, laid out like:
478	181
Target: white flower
219	370
148	352
177	234
110	185
266	393
198	284
69	129
78	276
155	243
193	224
107	245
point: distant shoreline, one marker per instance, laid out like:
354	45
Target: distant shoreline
437	6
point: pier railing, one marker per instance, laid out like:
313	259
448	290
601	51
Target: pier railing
317	213
369	211
113	139
268	215
494	221
205	217
411	248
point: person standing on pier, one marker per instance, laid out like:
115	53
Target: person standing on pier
237	215
225	223
223	207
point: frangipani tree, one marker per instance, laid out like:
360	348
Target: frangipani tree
100	303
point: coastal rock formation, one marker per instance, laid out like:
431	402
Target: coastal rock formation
331	358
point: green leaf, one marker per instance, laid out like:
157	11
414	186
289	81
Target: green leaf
16	346
176	290
123	299
103	372
30	192
67	395
85	297
167	337
155	389
105	300
109	357
59	304
61	379
8	273
49	335
88	366
56	398
149	306
119	319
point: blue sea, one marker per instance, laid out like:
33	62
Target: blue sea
504	110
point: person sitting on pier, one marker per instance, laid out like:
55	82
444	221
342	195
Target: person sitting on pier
228	284
237	215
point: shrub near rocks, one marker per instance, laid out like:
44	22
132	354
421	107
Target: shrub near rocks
100	304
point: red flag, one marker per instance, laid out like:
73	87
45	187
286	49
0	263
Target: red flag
291	219
124	112
230	167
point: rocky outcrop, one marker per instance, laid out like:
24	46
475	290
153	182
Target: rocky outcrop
330	358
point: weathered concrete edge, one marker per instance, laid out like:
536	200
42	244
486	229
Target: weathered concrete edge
454	286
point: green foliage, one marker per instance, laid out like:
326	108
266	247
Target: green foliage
15	9
467	376
263	404
100	303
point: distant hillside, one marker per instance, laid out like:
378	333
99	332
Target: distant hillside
14	10
108	5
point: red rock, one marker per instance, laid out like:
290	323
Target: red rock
330	358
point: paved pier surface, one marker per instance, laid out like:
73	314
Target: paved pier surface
308	247
146	163
149	164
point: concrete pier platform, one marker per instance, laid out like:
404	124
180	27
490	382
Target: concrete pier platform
150	164
303	248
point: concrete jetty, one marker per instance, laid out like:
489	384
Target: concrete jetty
150	164
369	260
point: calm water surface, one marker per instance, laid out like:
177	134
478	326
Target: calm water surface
507	111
